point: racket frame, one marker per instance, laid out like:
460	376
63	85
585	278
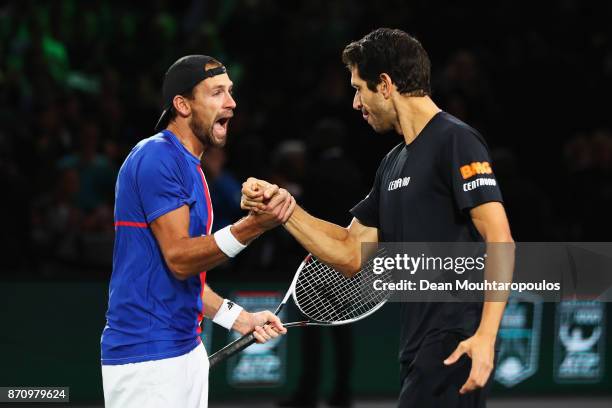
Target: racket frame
248	339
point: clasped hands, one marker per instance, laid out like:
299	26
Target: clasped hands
271	204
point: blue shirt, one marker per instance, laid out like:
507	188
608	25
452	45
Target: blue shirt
152	315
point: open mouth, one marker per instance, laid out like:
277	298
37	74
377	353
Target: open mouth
365	114
221	124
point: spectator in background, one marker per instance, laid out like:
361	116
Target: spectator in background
95	170
330	173
588	161
528	208
56	224
288	170
276	253
288	164
95	175
51	141
466	91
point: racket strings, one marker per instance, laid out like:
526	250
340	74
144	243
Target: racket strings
325	295
334	299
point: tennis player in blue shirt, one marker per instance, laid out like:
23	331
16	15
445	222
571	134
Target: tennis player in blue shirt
152	355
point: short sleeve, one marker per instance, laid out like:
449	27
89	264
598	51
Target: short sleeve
367	210
472	178
163	184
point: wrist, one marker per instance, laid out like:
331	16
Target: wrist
486	334
228	314
247	229
227	242
243	323
293	220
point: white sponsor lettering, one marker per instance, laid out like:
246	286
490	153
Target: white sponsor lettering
472	185
398	183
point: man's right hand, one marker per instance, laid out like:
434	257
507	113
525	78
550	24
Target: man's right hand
257	195
269	205
278	209
279	206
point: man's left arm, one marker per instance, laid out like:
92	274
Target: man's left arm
265	324
491	222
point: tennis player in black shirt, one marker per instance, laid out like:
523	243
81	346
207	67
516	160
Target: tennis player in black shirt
437	185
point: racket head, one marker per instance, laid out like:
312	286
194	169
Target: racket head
329	298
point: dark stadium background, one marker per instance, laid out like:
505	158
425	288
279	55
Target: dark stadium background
80	85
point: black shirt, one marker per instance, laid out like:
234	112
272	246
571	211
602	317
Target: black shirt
423	193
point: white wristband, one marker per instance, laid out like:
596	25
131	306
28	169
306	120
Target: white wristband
227	243
227	314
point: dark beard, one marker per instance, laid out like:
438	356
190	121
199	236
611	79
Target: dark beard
198	129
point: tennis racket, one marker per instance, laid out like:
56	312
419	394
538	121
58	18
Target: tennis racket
325	298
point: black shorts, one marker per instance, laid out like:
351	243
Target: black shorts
427	383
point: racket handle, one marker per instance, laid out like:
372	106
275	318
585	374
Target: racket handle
234	347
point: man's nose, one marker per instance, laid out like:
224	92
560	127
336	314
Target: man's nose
231	103
357	102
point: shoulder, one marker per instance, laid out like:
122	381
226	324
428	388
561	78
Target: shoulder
155	155
455	131
156	150
155	147
392	155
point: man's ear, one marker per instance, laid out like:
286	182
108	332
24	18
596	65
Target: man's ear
385	86
181	106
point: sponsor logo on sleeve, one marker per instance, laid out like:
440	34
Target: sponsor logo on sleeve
479	182
475	169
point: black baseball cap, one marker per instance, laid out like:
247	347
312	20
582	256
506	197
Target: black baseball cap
181	77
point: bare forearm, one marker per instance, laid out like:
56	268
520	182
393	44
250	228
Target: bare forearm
211	301
190	256
329	242
492	313
499	267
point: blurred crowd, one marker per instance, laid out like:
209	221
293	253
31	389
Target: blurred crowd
80	85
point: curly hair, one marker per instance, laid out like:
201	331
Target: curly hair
395	53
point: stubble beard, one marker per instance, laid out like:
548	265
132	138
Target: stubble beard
382	124
204	135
